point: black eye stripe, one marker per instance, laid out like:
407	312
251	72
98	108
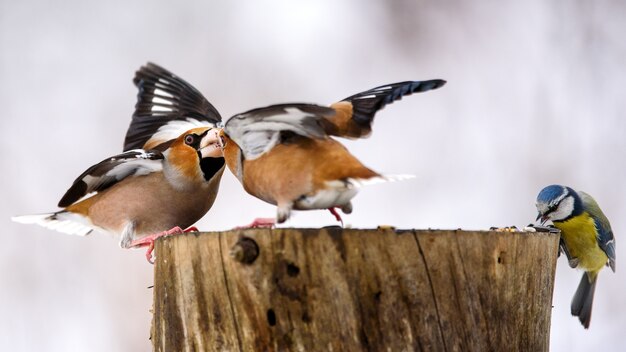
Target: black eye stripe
204	133
552	208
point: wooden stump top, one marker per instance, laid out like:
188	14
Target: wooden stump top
334	289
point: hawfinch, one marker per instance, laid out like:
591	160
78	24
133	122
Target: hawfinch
284	154
167	185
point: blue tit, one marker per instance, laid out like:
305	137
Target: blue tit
586	239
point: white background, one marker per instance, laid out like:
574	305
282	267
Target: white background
535	96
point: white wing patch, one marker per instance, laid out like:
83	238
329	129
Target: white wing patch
158	91
257	135
159	102
138	167
121	171
159	108
256	143
366	97
100	176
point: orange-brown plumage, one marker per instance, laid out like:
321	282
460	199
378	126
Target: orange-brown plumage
166	178
342	124
289	171
140	193
185	159
284	154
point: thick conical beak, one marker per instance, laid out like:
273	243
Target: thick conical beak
210	145
220	138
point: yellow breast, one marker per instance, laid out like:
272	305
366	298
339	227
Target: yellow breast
580	236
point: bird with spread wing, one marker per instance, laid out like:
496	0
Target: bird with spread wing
285	154
166	179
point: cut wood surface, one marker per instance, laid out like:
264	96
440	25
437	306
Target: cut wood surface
335	289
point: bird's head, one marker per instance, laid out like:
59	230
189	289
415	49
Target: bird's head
556	203
232	154
197	153
223	139
227	145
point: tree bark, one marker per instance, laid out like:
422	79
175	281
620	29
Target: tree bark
335	289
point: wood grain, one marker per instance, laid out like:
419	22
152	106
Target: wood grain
338	289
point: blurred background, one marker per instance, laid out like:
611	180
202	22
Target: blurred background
535	96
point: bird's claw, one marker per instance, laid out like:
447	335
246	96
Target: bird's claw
149	240
258	223
333	211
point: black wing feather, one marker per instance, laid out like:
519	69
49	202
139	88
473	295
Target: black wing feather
110	171
163	97
366	104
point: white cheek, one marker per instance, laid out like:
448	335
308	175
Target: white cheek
565	209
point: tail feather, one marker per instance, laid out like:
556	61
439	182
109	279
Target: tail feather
360	182
62	221
583	299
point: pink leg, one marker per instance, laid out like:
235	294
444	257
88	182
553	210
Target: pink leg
149	240
333	211
258	223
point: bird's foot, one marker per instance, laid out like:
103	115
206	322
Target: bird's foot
191	229
333	211
258	223
149	240
573	262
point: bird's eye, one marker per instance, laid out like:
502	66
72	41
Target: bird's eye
190	139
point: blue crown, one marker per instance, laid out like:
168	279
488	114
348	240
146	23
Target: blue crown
550	193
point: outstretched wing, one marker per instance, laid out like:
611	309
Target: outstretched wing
167	106
259	130
355	113
112	170
606	240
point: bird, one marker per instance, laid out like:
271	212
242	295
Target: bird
139	194
164	181
285	155
586	239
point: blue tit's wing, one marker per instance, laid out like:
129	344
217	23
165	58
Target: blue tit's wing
110	171
167	106
563	249
572	261
606	240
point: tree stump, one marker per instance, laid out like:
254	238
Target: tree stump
334	289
